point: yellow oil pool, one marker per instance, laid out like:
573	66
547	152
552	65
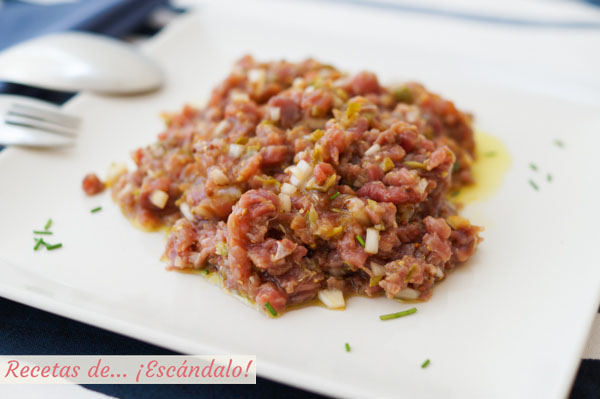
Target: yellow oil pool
492	161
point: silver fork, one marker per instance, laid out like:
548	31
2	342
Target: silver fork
35	123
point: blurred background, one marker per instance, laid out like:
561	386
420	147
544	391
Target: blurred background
537	40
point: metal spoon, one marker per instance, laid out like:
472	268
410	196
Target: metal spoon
76	61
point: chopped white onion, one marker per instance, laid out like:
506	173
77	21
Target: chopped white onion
439	273
412	115
125	191
295	181
236	150
218	176
204	211
357	210
186	211
178	262
154	173
422	185
377	269
373	149
408	293
239	97
221	127
300	173
274	113
304	168
282	251
157	150
159	198
232	191
257	75
115	170
341	82
286	202
333	299
298	83
311	183
288	188
372	241
293	170
194	258
309	89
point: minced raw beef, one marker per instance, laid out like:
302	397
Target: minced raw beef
297	178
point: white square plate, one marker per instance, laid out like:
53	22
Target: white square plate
510	323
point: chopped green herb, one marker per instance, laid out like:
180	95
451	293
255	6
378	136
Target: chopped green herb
270	309
51	247
352	109
387	164
398	314
48	224
532	184
425	364
415	164
334	196
47	233
347	347
316	135
410	272
38	242
267	180
533	167
374	281
559	143
490	154
455	167
99	208
360	241
455	194
403	95
549	177
222	249
313	216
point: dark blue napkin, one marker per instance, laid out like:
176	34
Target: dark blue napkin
20	21
28	331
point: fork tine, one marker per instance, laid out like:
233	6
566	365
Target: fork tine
28	137
43	114
16	120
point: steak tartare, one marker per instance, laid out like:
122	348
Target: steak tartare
297	181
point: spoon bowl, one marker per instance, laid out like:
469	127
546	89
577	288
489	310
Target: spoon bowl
78	61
